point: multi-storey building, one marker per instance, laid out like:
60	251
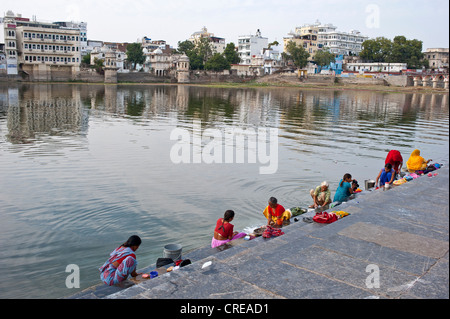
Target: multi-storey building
317	36
437	58
339	42
82	28
43	50
304	36
217	44
251	45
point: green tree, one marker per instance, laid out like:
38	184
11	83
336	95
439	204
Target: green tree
188	47
274	43
400	50
376	50
185	47
203	49
324	57
195	61
135	54
297	54
230	54
217	62
98	65
86	59
408	51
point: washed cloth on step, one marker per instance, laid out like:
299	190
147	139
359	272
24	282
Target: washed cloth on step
340	214
270	231
296	211
400	181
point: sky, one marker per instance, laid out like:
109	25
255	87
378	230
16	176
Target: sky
175	20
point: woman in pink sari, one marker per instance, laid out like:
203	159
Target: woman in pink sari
223	233
122	262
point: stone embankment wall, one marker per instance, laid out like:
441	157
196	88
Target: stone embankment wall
199	77
143	77
365	81
211	76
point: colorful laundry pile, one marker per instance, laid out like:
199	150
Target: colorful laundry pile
328	218
428	171
272	232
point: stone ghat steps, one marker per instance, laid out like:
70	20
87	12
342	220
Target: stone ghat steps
198	258
403	232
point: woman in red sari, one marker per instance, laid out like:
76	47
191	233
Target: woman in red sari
395	159
223	233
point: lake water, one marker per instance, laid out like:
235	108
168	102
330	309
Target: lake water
83	167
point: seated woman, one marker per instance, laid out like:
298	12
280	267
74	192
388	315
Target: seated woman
386	175
224	230
321	195
275	213
396	160
344	189
122	262
416	162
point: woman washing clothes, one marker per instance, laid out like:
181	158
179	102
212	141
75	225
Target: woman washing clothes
223	233
275	213
321	195
396	160
386	175
122	262
416	162
344	189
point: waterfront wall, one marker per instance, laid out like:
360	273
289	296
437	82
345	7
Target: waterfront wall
365	81
67	73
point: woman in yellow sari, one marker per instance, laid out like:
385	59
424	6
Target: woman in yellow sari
416	162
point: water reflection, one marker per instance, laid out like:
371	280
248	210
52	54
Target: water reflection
83	166
61	109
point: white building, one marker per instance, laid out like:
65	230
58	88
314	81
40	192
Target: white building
100	54
375	67
91	44
40	49
157	62
267	61
250	45
316	36
339	42
82	28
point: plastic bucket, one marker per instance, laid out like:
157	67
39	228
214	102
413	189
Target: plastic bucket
370	183
173	251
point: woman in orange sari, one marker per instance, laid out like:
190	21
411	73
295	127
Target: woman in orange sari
416	162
